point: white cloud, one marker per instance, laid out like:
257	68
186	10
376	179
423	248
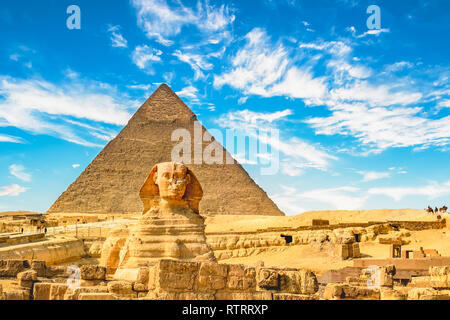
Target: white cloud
144	87
375	32
292	201
261	68
444	103
295	151
117	39
383	127
401	65
341	198
431	191
373	175
382	95
37	106
188	92
12	191
144	57
11	139
196	62
161	21
242	100
76	165
18	171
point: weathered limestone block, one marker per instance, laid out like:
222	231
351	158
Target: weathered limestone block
179	296
355	250
39	266
417	293
16	294
10	268
420	282
92	272
56	272
335	291
387	276
41	291
95	251
291	296
57	291
73	294
308	282
435	297
350	250
26	278
97	296
212	276
391	294
120	287
142	280
225	295
173	275
241	277
288	280
440	277
268	279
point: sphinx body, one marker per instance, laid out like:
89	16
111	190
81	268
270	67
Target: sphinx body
170	226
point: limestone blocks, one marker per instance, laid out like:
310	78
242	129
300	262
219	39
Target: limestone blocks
171	278
440	277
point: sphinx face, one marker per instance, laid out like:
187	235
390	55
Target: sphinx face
172	180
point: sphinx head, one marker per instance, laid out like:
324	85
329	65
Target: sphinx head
173	182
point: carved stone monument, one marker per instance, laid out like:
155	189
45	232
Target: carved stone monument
170	226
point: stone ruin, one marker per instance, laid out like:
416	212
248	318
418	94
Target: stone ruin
165	280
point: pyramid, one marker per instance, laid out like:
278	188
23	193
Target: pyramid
111	183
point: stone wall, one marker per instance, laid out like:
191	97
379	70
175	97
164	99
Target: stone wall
168	280
172	279
51	251
233	245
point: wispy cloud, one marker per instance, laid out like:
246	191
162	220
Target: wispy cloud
38	106
292	201
144	57
188	92
12	191
431	191
161	20
11	139
373	32
297	154
261	68
117	39
373	175
18	171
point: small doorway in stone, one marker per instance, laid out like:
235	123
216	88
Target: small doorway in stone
288	239
357	237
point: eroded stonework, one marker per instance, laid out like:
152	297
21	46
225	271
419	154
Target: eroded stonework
170	226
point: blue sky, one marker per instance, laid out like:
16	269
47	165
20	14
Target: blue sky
363	115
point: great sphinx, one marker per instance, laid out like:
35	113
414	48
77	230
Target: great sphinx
170	226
